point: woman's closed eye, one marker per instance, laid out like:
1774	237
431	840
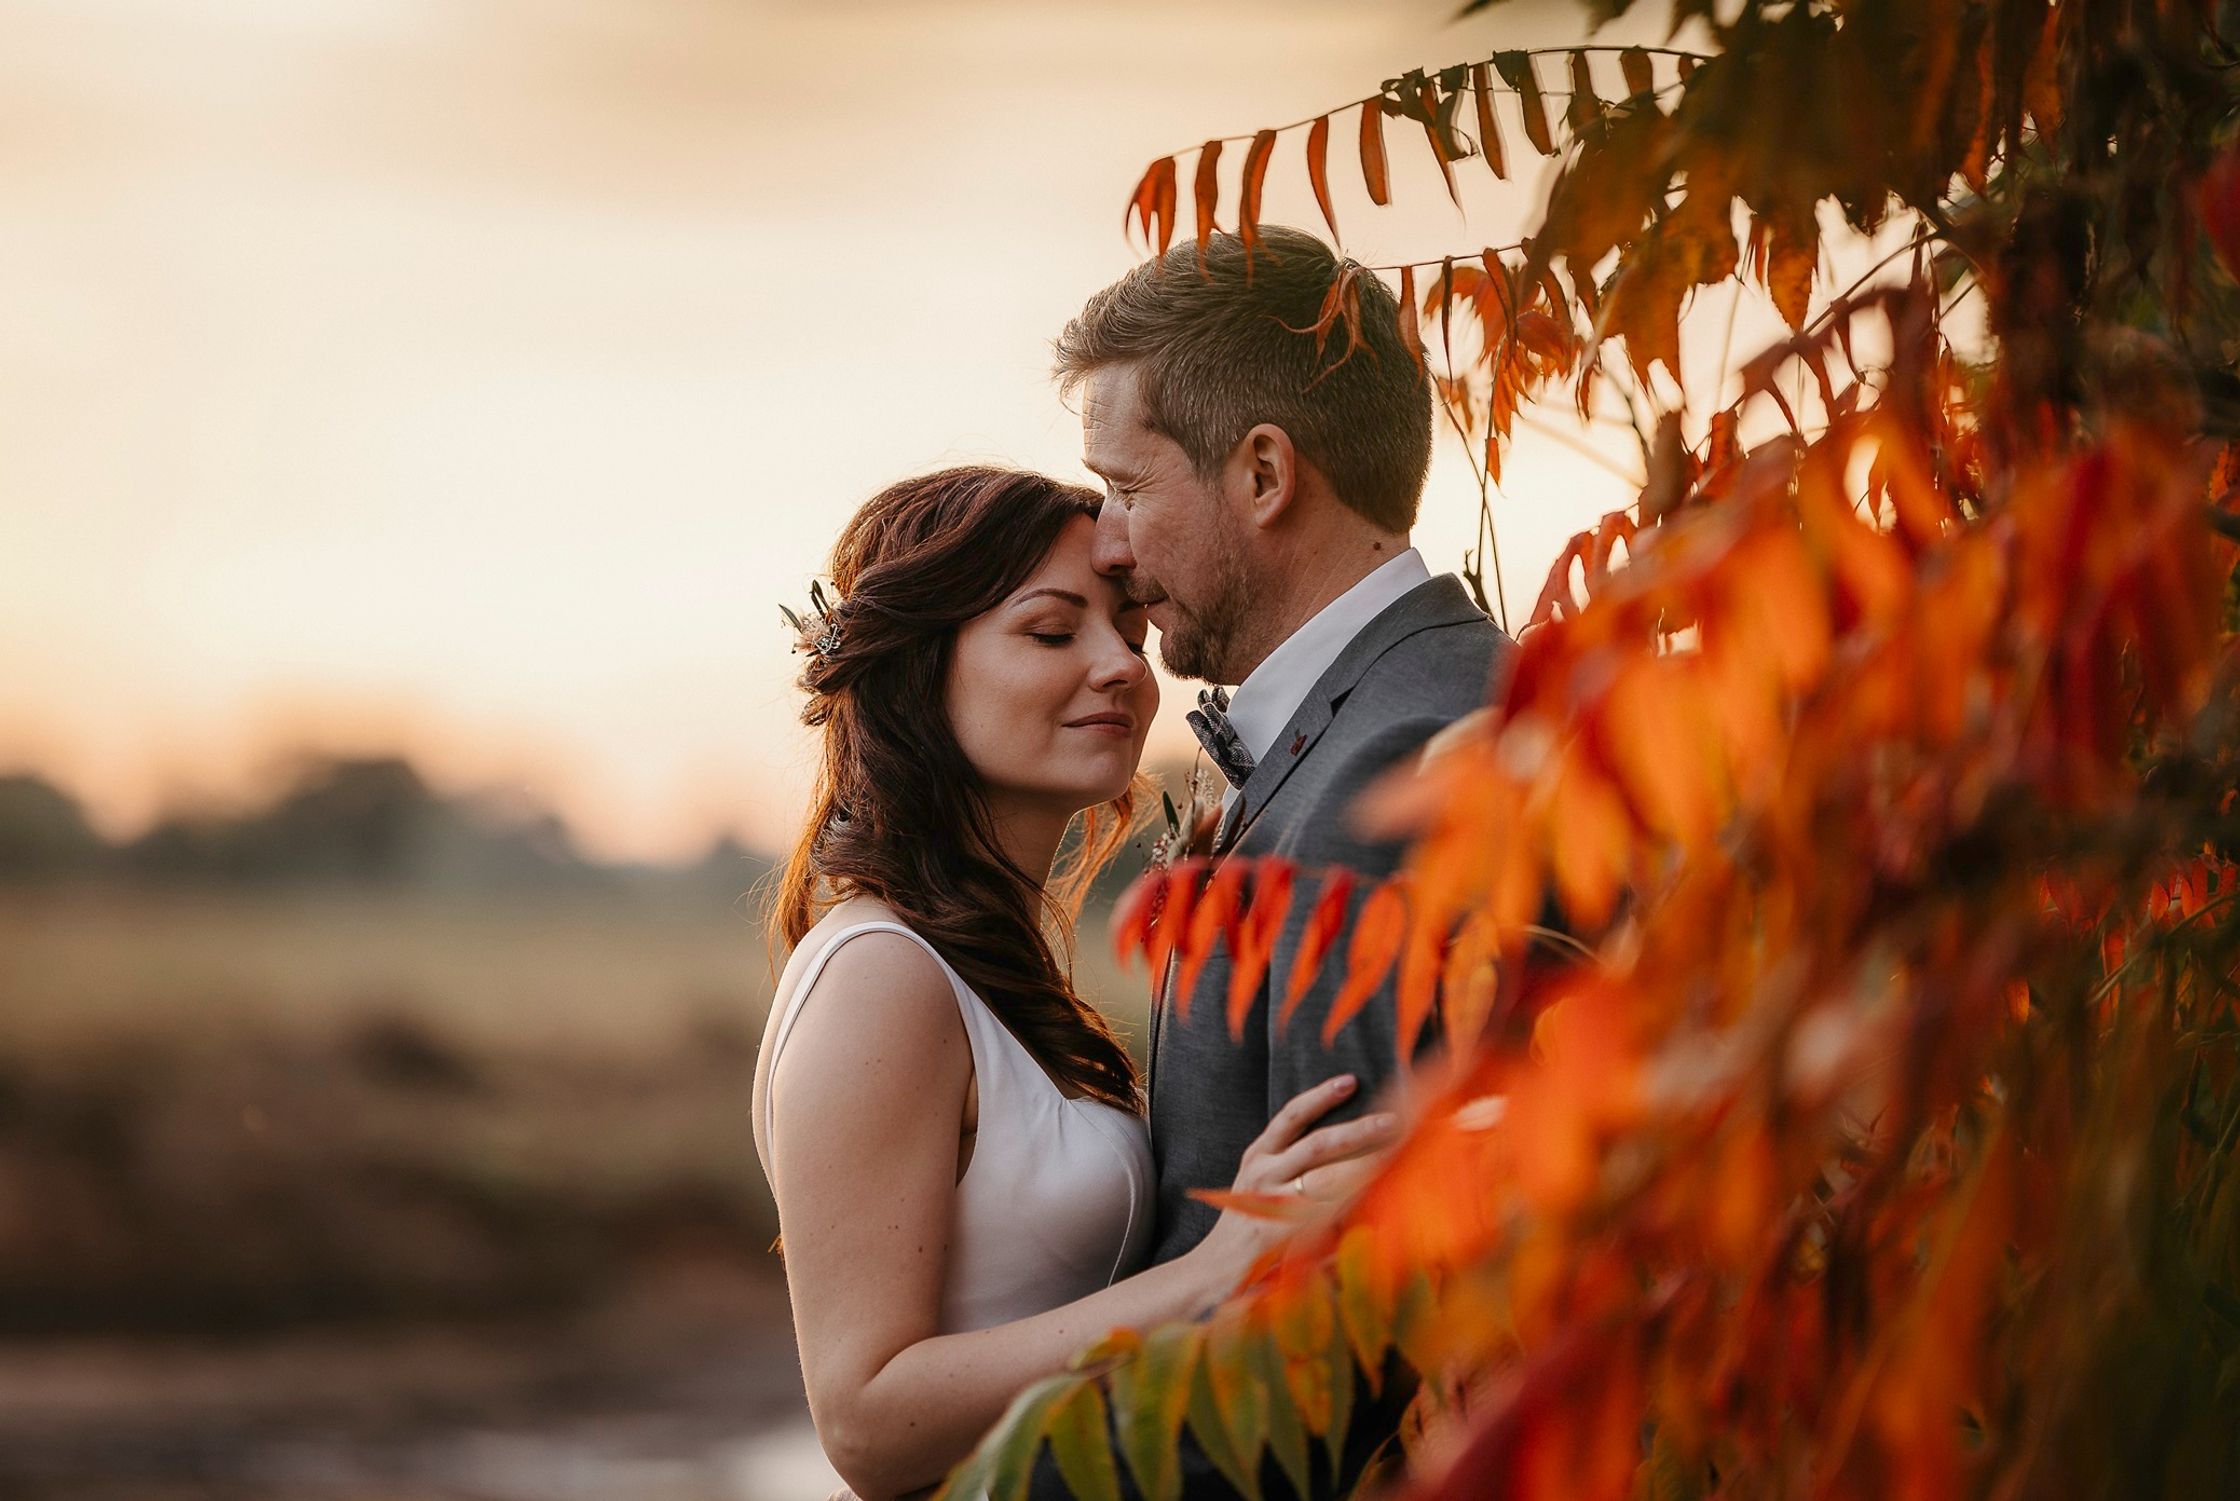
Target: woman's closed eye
1052	638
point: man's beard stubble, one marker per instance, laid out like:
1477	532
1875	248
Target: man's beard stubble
1206	641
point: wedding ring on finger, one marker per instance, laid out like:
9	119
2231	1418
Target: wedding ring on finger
1299	1185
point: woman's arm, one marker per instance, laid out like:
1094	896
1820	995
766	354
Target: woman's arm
868	1103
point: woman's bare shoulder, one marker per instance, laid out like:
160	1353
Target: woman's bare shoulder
884	981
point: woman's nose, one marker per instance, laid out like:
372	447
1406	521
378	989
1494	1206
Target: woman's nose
1121	667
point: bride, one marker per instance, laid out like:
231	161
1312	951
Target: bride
961	1167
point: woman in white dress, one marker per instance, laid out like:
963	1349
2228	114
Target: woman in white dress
952	1134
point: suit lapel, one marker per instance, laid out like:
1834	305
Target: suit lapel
1436	602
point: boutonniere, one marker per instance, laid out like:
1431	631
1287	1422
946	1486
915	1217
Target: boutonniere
1189	829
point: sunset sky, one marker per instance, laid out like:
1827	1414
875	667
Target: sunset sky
476	377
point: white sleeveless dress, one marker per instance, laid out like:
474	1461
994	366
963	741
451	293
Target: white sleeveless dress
1057	1199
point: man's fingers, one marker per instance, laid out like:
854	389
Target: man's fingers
1301	1108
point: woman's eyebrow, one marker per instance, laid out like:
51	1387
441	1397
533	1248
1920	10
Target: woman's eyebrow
1079	602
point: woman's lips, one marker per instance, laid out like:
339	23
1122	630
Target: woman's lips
1116	725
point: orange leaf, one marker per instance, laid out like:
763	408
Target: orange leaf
1284	1206
1640	77
1470	979
1255	177
1153	203
1585	106
1489	130
1208	191
1323	926
1791	255
1132	917
1256	936
1179	893
1318	169
1421	960
1428	95
1411	332
1377	935
1516	70
1592	838
1213	917
1373	171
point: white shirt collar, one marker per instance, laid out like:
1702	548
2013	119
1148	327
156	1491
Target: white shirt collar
1265	701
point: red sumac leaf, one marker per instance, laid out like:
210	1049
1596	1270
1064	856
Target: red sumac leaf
1132	918
1489	129
1640	77
1516	70
1178	894
1318	169
1323	926
1255	177
1411	332
1207	191
1153	204
2220	209
1213	919
1428	96
1585	106
1377	935
1374	173
1256	938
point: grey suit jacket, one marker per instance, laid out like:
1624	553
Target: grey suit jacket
1423	663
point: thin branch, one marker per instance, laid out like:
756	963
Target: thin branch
1579	446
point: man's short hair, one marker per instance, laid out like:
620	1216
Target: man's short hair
1220	349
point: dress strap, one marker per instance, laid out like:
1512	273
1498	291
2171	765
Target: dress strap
808	980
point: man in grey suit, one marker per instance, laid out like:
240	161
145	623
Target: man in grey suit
1261	484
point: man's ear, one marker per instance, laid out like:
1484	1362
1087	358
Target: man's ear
1265	468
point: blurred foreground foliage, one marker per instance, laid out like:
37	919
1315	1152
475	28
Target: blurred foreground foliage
1883	755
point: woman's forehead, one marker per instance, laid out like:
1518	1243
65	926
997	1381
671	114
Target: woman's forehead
1069	569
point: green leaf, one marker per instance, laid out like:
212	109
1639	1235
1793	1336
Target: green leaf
1670	1475
1411	1321
1004	1461
1230	1423
1361	1304
1150	1394
792	619
1081	1441
1286	1435
1339	1354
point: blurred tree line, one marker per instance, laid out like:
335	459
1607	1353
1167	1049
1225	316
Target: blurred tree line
368	821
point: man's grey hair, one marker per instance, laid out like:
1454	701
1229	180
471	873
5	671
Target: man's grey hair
1222	348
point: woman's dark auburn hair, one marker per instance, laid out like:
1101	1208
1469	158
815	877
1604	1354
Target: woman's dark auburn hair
898	813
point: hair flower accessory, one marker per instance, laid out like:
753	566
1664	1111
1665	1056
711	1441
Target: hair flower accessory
824	639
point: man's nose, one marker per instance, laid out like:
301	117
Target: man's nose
1110	554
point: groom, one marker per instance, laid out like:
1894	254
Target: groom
1260	487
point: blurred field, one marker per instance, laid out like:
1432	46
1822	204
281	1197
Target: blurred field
349	1192
226	1110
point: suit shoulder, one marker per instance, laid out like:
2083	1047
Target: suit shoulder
1441	672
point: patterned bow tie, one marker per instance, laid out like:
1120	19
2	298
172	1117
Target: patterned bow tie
1210	723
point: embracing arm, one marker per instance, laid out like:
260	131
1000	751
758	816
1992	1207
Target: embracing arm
868	1099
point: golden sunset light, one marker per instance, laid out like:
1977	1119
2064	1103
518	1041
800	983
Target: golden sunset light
477	379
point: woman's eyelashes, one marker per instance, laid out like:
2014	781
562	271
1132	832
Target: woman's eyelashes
1061	638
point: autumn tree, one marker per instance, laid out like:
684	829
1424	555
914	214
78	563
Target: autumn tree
1877	1139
